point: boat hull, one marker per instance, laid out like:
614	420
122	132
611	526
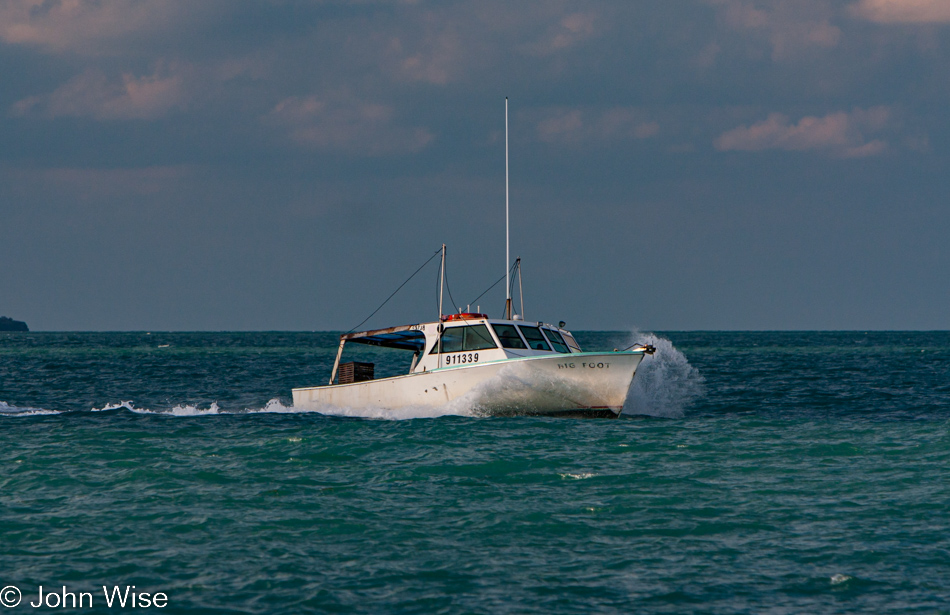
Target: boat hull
585	384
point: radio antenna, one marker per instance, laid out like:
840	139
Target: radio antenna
507	232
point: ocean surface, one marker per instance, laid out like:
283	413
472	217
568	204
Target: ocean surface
766	472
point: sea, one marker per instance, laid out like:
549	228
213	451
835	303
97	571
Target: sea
751	472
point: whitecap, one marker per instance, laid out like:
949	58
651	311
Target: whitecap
838	579
189	410
8	410
579	476
275	406
179	410
122	404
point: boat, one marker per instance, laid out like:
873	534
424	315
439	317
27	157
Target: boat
491	366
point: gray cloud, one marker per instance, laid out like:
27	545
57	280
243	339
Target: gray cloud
903	11
842	134
92	94
790	26
344	123
90	27
566	32
580	125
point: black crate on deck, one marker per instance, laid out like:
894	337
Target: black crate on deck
354	371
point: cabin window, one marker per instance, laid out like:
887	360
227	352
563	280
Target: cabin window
533	336
465	339
451	340
572	342
557	341
477	337
508	336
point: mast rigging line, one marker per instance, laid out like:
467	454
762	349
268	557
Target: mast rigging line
475	300
436	253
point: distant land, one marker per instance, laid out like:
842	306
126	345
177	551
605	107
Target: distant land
8	324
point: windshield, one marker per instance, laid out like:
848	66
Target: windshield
572	342
557	341
465	339
508	336
534	338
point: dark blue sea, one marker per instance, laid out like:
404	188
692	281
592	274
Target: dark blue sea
766	472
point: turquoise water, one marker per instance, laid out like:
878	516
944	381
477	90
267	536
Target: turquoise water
751	473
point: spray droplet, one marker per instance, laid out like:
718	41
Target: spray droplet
665	383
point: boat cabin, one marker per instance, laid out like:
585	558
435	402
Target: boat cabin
462	339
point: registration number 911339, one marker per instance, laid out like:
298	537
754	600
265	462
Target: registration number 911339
459	359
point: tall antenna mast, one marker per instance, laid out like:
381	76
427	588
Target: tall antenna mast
440	327
507	254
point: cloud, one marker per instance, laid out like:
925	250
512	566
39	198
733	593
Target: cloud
92	94
84	26
433	56
445	43
789	26
567	32
576	125
345	124
903	11
841	134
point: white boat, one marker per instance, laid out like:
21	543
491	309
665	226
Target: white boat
490	366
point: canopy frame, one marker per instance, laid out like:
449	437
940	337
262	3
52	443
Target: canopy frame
404	337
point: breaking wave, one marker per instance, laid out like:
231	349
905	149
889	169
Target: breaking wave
665	384
8	410
179	410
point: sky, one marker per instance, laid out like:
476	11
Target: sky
287	164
